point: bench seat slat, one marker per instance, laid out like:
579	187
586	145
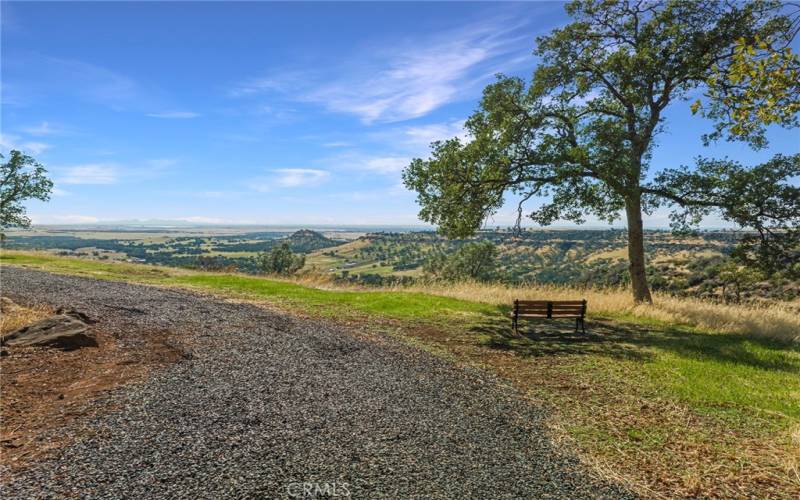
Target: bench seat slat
554	315
541	308
554	302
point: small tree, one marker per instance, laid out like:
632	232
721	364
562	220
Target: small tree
737	277
474	260
281	260
21	178
584	130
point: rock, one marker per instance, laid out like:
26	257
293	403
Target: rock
77	315
65	331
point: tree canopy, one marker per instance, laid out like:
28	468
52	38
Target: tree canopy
21	178
472	261
281	260
582	132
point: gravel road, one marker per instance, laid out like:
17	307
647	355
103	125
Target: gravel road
266	402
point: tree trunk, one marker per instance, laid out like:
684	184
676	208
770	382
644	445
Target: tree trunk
641	292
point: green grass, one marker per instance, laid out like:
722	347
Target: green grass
732	383
397	305
726	373
700	367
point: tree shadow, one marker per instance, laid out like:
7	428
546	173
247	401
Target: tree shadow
637	342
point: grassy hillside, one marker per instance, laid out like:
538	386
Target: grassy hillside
681	398
684	265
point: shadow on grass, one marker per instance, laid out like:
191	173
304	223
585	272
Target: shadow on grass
636	342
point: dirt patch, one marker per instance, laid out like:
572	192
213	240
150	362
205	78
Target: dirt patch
45	389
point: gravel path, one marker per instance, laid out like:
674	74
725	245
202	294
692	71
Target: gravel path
266	400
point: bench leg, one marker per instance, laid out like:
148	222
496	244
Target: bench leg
577	322
514	326
583	326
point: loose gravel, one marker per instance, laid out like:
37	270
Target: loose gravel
265	402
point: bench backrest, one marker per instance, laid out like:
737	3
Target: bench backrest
550	308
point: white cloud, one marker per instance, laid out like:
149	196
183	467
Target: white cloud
380	194
405	79
199	219
215	195
93	83
290	178
293	177
161	163
391	163
8	142
91	173
174	115
103	173
424	135
336	144
42	129
386	164
64	219
419	77
279	81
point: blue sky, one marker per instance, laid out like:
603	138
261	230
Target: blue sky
265	113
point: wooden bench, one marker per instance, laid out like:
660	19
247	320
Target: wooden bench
549	309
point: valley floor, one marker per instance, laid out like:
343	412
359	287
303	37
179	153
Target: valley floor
261	400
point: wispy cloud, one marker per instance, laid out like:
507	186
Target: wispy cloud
96	83
421	76
64	219
35	77
279	81
293	177
8	142
174	115
289	178
215	195
201	219
407	79
423	135
91	173
386	164
161	163
393	191
43	129
361	162
110	172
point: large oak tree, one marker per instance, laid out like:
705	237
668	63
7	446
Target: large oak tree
21	178
582	132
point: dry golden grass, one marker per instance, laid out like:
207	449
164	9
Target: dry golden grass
774	319
771	319
792	463
13	316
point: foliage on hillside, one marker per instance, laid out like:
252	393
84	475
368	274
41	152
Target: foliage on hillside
696	265
281	260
